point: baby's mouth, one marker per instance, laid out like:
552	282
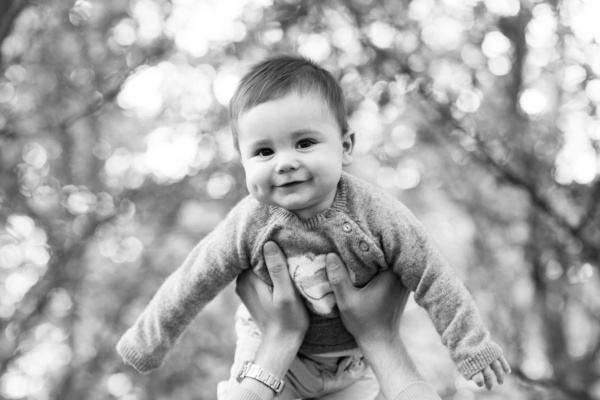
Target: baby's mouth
290	184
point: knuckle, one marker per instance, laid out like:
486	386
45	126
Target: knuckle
335	280
276	268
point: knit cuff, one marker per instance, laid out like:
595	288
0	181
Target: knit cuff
418	391
238	392
475	363
135	359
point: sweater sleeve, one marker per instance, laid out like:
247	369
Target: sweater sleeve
240	393
211	265
438	289
418	391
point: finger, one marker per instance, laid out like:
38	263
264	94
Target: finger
478	379
497	368
338	277
277	266
247	284
405	294
393	280
505	365
488	376
242	282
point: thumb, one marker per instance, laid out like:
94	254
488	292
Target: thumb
338	277
277	266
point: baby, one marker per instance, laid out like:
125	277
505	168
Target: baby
291	132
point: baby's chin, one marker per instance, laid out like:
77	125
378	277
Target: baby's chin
325	306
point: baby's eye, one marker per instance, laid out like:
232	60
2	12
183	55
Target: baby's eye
265	152
306	143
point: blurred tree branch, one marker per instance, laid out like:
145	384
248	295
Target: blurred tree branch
9	11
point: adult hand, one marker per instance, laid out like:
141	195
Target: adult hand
281	317
371	313
278	311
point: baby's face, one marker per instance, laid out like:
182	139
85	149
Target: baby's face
292	151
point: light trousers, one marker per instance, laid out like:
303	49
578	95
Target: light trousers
338	377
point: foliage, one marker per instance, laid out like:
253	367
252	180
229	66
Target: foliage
115	159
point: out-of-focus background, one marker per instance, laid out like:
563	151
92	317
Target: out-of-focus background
116	158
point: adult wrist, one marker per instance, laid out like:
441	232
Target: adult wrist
390	362
284	338
276	355
378	341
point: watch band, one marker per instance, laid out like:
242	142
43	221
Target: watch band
251	370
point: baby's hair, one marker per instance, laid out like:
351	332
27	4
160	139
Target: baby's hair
280	76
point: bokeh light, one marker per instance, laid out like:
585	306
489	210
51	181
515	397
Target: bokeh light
171	151
224	86
536	368
124	32
533	101
7	92
14	385
495	44
503	8
119	385
142	92
149	18
219	184
444	33
197	25
314	46
381	34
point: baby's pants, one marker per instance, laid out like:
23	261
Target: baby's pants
345	377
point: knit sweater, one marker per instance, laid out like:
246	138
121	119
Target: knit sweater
366	227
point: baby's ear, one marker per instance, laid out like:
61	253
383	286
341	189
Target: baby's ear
348	139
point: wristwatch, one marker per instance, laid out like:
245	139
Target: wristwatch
251	370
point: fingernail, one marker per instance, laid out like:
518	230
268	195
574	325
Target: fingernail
332	265
270	249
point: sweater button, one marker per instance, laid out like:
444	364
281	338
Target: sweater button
346	227
364	246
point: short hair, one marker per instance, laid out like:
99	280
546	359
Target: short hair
280	76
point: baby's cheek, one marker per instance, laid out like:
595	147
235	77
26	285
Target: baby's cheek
258	192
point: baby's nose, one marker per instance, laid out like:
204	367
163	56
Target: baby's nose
285	164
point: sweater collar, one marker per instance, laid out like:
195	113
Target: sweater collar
339	204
